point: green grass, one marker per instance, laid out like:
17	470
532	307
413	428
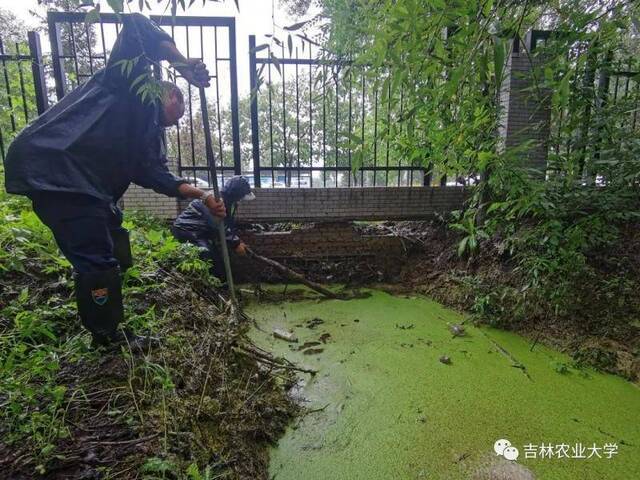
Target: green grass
180	411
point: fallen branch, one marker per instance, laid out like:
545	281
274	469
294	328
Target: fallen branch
133	441
293	275
272	361
514	361
316	410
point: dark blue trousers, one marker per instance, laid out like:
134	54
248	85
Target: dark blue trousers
82	226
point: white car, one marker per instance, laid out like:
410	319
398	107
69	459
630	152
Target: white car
200	183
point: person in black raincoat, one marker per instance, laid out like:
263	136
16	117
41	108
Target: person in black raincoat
77	159
196	225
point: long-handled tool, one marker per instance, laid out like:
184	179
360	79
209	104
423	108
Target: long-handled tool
211	162
293	275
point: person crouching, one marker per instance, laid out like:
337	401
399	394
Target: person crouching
196	225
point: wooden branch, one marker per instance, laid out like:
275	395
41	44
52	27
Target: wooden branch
293	275
272	361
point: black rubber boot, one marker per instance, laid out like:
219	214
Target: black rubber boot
128	339
99	297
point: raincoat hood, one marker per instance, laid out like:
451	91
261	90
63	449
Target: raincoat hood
237	189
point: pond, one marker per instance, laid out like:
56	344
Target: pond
398	396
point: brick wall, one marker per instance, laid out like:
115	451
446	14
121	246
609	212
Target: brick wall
341	204
321	240
326	251
142	199
526	112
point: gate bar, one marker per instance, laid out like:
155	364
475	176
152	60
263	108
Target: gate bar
37	69
235	121
255	137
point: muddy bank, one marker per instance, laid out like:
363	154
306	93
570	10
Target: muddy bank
199	406
196	402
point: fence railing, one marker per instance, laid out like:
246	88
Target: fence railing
23	93
79	50
317	122
310	121
594	126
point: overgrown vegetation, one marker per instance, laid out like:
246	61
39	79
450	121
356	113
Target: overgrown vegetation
564	238
197	407
531	254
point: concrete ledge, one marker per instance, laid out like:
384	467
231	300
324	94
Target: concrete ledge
347	204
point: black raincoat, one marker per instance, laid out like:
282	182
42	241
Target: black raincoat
100	137
197	222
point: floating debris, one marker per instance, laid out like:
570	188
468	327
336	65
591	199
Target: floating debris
445	359
285	335
405	327
325	337
313	351
308	345
457	330
314	322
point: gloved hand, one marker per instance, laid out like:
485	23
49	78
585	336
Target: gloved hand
216	207
241	249
194	71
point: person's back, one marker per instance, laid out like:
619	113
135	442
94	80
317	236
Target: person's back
100	137
195	219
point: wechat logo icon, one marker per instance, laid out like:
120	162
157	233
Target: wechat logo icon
503	448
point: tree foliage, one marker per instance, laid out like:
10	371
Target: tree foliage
445	62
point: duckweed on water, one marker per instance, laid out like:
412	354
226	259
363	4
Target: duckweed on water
383	406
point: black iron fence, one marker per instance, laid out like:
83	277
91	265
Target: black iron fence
309	121
23	93
594	127
322	123
78	50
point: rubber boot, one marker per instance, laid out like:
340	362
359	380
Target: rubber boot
137	343
99	298
122	248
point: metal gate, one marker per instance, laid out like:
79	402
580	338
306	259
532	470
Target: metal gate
78	50
23	93
319	122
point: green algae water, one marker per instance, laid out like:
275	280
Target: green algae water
384	406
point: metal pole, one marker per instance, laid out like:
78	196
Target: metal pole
235	109
211	162
37	69
255	136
